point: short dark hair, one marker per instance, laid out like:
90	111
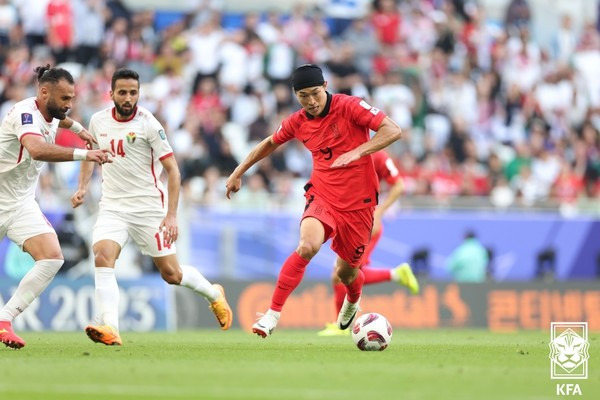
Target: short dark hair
307	75
53	75
123	73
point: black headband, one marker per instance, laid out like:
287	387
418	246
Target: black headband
307	75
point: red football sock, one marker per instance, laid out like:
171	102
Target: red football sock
354	289
376	275
289	277
339	292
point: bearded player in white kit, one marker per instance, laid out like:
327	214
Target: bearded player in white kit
27	140
134	204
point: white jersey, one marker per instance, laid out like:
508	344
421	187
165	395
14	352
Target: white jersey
19	172
132	181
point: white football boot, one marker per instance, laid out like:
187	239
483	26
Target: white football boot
266	323
347	314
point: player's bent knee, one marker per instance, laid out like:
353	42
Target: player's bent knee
172	277
45	253
102	260
347	276
53	255
307	250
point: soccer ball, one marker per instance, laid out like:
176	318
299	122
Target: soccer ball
372	332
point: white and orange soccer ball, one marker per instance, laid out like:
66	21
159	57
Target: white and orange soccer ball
372	332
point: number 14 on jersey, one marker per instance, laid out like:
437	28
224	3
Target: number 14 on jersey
119	150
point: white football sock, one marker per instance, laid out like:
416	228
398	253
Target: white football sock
30	287
107	296
193	279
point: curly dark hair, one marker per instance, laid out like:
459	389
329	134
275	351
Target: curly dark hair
53	75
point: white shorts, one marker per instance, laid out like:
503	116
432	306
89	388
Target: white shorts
141	227
24	223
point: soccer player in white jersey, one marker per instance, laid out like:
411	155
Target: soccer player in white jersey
27	140
134	204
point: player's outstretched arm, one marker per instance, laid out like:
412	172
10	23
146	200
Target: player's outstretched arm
262	150
42	151
387	133
85	174
78	129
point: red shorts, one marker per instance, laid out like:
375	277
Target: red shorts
350	230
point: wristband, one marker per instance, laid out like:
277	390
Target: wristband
79	154
76	127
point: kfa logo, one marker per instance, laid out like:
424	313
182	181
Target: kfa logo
568	389
334	130
569	355
569	350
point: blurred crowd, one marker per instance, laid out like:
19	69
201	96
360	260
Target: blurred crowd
487	112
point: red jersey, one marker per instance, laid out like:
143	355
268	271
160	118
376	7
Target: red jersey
385	168
343	125
60	23
387	26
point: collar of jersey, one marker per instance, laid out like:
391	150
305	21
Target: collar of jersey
325	110
113	112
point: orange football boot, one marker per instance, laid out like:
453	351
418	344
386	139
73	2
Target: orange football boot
103	334
221	309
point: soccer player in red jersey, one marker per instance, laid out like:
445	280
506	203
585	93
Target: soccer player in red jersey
386	171
341	194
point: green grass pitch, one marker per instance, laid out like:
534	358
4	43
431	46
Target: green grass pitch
210	364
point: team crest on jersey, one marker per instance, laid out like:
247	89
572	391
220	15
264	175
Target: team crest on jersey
335	130
26	119
131	137
162	135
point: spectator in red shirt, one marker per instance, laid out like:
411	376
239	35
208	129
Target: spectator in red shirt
341	194
60	28
206	101
386	20
388	172
568	186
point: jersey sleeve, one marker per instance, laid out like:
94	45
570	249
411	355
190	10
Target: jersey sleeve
363	114
158	139
285	132
26	123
